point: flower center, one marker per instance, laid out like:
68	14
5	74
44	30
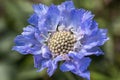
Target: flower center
61	42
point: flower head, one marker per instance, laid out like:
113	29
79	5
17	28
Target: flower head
61	33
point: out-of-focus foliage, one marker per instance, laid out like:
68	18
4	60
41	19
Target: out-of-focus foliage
13	17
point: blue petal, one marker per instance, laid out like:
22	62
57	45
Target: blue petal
81	19
87	16
85	74
81	68
94	26
27	49
36	49
57	59
29	31
93	51
68	5
38	37
37	60
52	17
33	20
65	19
21	49
44	64
83	64
46	52
26	43
53	65
40	9
21	40
67	66
51	68
97	38
77	66
75	55
28	34
40	62
87	22
76	17
50	21
65	9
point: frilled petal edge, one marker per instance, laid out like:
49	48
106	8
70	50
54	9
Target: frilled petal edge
68	5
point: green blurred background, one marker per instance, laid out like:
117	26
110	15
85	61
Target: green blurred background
13	17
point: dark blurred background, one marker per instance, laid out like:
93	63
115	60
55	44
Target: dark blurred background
13	17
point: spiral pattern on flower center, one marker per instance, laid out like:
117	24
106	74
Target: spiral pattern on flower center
61	42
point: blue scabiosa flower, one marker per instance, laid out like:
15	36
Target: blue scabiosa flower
61	33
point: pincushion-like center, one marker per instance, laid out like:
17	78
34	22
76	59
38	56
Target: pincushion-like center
61	42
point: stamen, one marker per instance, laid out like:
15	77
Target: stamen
57	27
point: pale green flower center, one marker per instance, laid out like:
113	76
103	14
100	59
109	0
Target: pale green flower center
61	42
